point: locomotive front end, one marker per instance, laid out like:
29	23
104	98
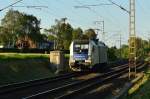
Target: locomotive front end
79	57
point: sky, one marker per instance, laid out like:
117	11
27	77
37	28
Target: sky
116	21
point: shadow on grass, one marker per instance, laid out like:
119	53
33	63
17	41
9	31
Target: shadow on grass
143	91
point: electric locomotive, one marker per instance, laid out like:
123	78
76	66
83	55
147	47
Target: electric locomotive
87	54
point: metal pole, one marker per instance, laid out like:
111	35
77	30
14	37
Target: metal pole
120	47
132	40
103	31
101	28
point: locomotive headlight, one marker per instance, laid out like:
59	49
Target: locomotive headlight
88	61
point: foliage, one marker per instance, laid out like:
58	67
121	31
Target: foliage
112	54
4	36
19	29
125	51
143	87
90	33
17	25
62	33
142	49
77	33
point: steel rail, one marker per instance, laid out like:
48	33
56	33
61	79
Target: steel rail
17	86
87	87
22	85
55	92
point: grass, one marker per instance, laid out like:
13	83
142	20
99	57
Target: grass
144	88
67	56
17	67
20	56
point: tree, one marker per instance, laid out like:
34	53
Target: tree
90	33
77	33
142	46
62	32
112	53
125	51
4	36
21	27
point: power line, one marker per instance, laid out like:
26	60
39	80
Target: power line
101	4
124	9
30	6
143	9
35	7
89	8
10	5
114	19
96	13
72	11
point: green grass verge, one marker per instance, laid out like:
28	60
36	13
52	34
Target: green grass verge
20	56
16	67
144	89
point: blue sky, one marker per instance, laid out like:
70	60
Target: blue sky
116	20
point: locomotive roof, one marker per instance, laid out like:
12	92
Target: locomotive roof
87	41
81	41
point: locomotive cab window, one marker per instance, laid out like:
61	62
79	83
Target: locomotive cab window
81	48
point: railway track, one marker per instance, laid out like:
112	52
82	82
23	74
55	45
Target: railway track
16	86
6	89
74	89
19	90
30	87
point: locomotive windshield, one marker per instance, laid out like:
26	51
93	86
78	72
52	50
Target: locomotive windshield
81	48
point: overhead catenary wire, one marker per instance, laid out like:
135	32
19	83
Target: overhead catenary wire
92	10
143	10
52	11
100	4
10	5
72	11
124	9
31	6
96	13
115	20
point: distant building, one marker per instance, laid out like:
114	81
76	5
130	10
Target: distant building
46	45
25	42
28	43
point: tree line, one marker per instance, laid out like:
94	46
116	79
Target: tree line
63	33
19	29
142	50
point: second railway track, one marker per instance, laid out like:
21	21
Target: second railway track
72	90
17	90
59	83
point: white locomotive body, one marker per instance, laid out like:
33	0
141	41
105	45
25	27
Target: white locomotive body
86	54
